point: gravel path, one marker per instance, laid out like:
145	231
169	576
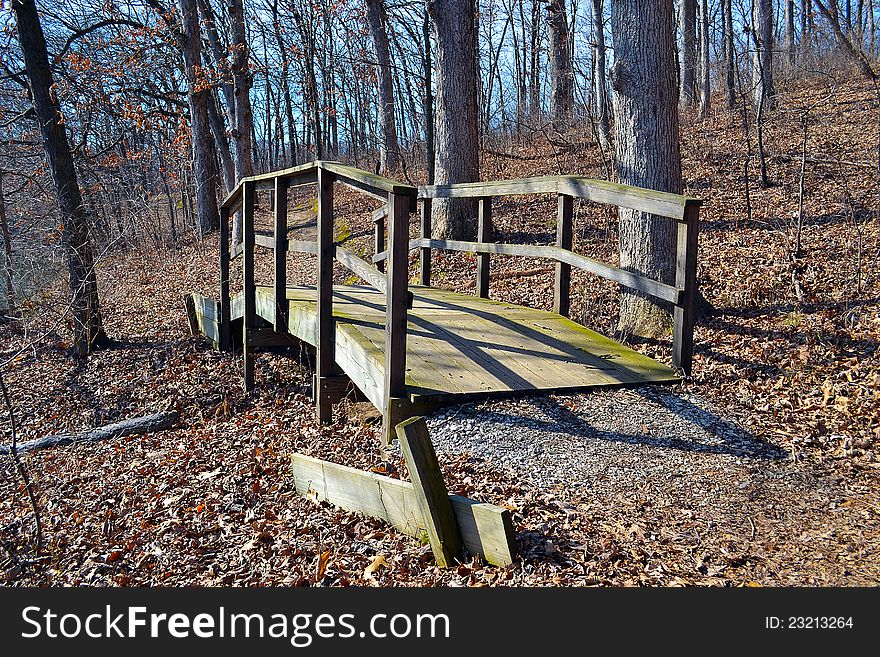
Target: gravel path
584	440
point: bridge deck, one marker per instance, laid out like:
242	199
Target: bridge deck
460	345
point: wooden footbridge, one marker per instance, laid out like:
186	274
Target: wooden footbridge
407	348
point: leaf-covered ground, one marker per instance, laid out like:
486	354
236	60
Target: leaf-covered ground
790	352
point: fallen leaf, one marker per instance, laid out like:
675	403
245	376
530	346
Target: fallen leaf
377	563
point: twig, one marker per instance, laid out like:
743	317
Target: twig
19	466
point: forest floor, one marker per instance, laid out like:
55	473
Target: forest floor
786	365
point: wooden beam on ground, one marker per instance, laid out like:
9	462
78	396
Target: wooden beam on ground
430	490
486	529
206	314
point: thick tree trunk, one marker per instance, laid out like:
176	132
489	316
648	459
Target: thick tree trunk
204	167
705	88
242	80
388	150
789	34
428	100
762	61
600	90
88	329
687	17
647	149
221	142
457	114
729	53
561	71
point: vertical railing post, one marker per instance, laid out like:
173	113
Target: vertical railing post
326	330
280	283
395	312
379	237
225	311
425	251
249	292
484	232
564	240
686	282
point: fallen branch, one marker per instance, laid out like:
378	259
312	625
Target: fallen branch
144	424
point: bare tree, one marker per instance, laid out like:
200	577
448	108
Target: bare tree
242	81
457	114
687	17
762	59
647	148
88	328
388	149
729	53
9	311
561	71
789	34
705	88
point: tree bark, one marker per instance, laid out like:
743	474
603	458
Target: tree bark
457	115
204	166
705	88
561	71
687	17
221	142
729	53
88	329
9	311
762	60
647	149
241	80
388	150
789	34
600	89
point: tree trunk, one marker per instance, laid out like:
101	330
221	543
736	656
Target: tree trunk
9	311
242	80
88	330
221	142
204	166
687	17
561	71
428	101
600	89
762	61
789	34
729	53
705	89
388	150
647	149
457	114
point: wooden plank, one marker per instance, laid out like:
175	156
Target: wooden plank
302	246
225	341
249	194
362	268
484	232
486	530
539	185
686	280
564	240
264	241
425	252
379	235
396	300
430	490
324	365
370	181
625	196
280	261
191	317
237	250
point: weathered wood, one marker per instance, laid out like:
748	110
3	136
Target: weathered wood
629	279
362	268
237	250
249	196
139	425
539	185
484	233
225	341
430	490
325	360
207	317
625	196
379	234
425	252
264	241
686	281
396	303
302	246
377	184
564	240
280	244
486	530
191	317
337	388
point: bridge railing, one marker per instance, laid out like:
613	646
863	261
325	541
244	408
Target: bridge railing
679	209
399	201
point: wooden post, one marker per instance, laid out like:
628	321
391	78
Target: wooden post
325	361
425	251
280	285
564	240
484	231
249	319
395	311
686	282
225	301
379	239
430	490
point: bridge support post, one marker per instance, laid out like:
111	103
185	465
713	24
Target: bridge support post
484	234
396	308
379	237
249	318
564	240
325	361
425	251
225	329
686	282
